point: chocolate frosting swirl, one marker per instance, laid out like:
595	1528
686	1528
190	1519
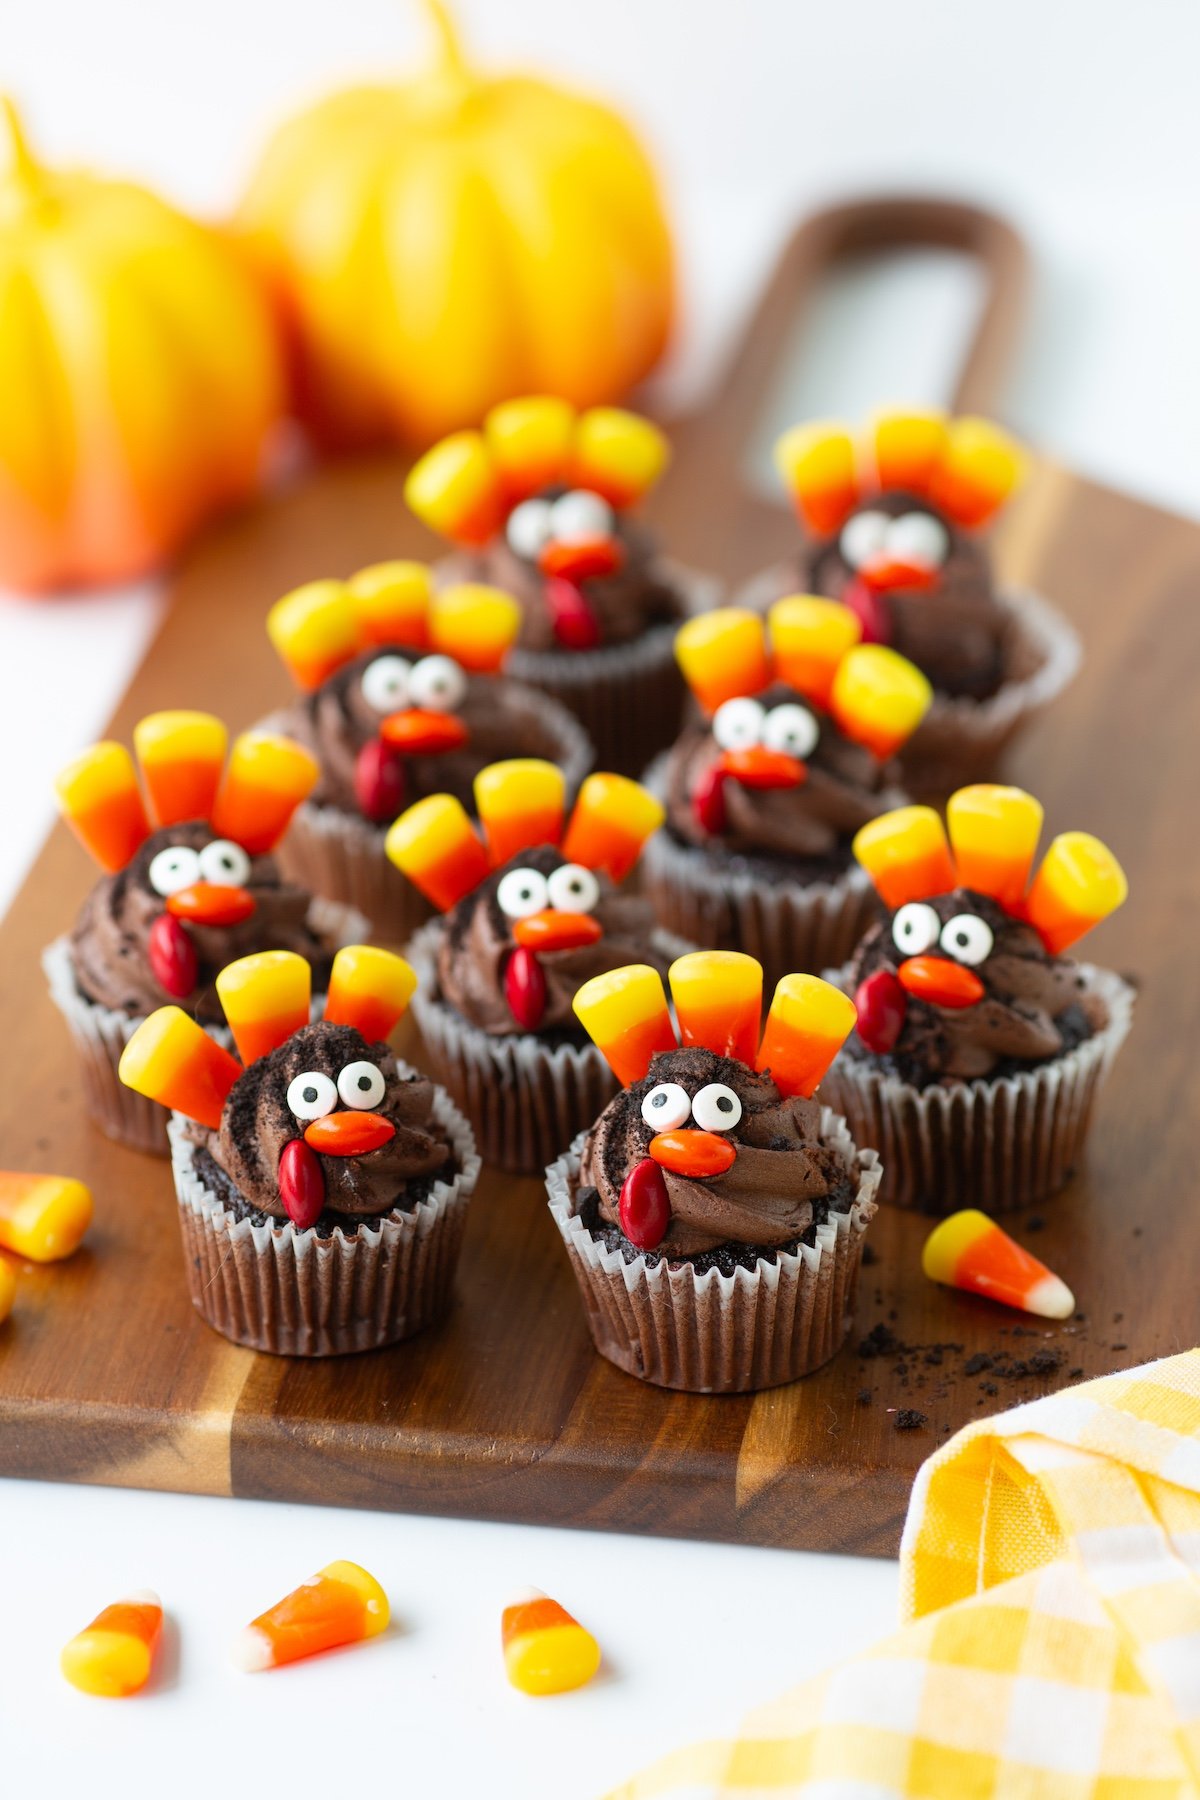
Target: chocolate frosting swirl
257	1123
110	940
478	939
784	1179
1035	1006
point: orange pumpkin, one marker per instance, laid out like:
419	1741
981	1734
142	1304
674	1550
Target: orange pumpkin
140	372
444	243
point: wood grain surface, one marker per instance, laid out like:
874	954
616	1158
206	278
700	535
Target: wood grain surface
107	1375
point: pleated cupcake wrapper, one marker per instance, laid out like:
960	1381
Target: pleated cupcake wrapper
961	740
100	1035
526	1099
716	1333
999	1145
271	1287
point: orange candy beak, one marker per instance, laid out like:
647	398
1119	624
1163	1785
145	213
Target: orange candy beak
940	982
890	577
349	1133
762	768
696	1154
552	930
207	903
582	561
419	733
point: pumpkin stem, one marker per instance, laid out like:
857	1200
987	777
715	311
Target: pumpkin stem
23	168
450	51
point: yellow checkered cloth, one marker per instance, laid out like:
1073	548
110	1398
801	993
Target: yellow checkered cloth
1050	1571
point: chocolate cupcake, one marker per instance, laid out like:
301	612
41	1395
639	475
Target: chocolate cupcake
715	1213
980	1047
763	797
190	884
893	526
403	697
538	502
322	1184
532	911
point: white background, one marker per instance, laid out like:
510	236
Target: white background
1078	118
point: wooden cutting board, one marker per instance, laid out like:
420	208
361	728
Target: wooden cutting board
107	1375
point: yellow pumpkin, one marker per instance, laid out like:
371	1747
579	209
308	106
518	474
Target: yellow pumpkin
140	371
451	241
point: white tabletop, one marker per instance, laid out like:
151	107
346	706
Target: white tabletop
1091	145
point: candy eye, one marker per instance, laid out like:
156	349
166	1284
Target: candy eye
738	724
360	1084
174	868
666	1106
716	1108
791	729
528	529
438	684
915	927
580	516
312	1095
967	938
385	683
522	893
917	539
573	889
863	537
225	863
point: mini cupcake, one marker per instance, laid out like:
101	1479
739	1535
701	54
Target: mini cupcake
322	1184
403	697
893	527
764	797
715	1213
190	884
539	503
980	1047
532	911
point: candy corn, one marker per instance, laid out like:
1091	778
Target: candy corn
723	654
807	1025
969	1251
172	1060
455	490
435	845
99	798
809	639
617	454
42	1217
114	1656
529	441
265	782
817	464
610	822
546	1651
520	804
369	989
340	1605
180	755
8	1288
907	447
390	602
879	698
314	630
979	468
474	624
718	1001
906	855
265	999
1079	883
624	1012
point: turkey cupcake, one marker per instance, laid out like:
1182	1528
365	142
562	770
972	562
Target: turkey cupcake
894	523
715	1212
322	1184
764	793
980	1047
189	884
403	696
531	910
539	501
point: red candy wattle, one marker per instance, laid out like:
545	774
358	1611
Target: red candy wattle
708	801
572	620
301	1184
379	782
881	1004
525	988
645	1210
870	611
172	957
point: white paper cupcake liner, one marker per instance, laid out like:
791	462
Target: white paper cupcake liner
271	1287
716	1333
998	1145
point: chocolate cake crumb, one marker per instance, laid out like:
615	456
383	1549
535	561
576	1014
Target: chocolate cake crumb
864	1396
975	1365
870	1256
1075	1374
909	1419
1035	1223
